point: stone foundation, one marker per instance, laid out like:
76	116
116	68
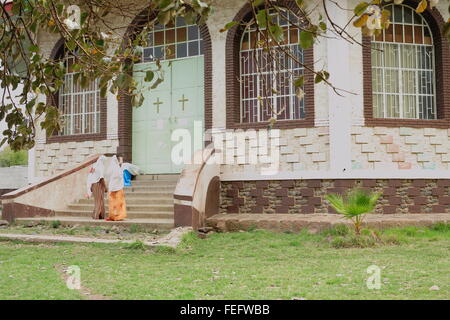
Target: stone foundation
318	222
400	196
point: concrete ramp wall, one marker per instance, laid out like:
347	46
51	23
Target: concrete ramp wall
44	198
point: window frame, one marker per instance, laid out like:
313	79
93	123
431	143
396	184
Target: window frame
180	24
441	67
399	47
233	87
246	73
58	53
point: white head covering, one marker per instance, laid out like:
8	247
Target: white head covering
115	173
99	173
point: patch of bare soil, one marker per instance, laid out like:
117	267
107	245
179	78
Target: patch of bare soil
108	233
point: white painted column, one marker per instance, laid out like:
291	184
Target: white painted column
338	62
31	165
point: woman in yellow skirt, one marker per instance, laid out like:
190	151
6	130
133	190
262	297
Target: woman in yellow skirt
117	204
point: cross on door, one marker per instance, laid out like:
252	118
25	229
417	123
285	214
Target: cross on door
157	104
183	101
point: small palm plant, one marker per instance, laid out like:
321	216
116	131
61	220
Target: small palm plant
354	205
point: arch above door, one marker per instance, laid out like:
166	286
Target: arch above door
125	110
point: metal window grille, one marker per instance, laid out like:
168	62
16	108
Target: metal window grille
79	107
267	76
173	41
403	63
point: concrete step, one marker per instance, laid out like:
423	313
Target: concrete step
146	224
156	177
150	183
165	189
133	207
148	194
135	201
130	214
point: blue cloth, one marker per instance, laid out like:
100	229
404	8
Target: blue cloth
127	178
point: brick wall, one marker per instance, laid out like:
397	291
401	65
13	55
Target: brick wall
308	196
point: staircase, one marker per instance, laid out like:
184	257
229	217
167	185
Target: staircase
149	204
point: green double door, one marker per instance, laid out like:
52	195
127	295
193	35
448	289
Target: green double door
174	110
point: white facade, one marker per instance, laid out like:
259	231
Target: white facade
339	145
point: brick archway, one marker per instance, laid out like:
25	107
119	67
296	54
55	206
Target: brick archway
442	69
125	111
232	68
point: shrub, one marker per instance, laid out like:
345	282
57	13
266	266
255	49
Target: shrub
338	230
10	158
135	228
56	224
441	227
354	205
164	250
368	239
137	245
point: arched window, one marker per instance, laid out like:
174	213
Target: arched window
267	77
403	68
173	41
79	107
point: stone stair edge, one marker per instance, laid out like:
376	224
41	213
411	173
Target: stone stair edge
88	220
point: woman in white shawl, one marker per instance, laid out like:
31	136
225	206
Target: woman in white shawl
117	205
96	186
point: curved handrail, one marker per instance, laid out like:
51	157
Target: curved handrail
196	189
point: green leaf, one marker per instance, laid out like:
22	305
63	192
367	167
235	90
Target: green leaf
299	82
164	17
71	45
321	76
103	91
33	48
257	3
447	29
121	80
361	8
149	75
229	25
277	32
164	4
261	18
300	3
306	39
323	26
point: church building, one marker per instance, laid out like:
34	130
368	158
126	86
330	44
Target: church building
388	128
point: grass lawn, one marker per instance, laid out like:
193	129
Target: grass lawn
246	265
